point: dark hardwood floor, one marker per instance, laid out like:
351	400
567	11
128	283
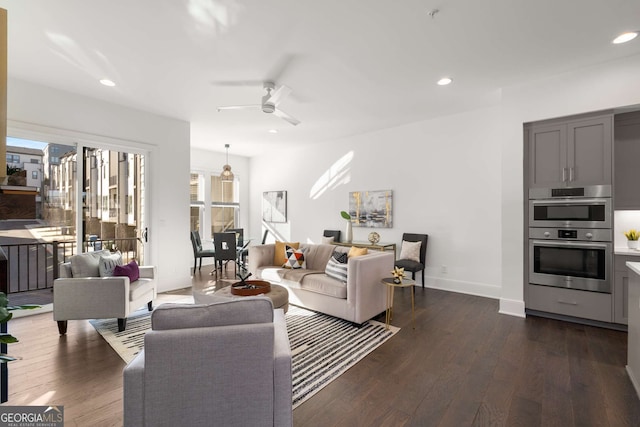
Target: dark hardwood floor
463	365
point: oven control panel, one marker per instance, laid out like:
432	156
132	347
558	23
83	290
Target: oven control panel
580	234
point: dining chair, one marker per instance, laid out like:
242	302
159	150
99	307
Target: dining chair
332	233
224	245
241	246
414	265
198	252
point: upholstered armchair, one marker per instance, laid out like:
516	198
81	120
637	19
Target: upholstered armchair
222	364
87	289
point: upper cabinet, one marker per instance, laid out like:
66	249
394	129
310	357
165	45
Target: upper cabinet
571	153
627	161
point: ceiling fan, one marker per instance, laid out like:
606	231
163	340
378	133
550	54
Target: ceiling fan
269	103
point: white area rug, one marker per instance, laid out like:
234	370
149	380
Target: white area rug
322	347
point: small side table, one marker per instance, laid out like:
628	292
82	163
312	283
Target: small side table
390	293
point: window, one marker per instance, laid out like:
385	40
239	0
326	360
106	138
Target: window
54	159
36	161
13	158
34	174
214	204
223	205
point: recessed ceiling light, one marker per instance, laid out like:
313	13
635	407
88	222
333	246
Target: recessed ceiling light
625	37
107	82
273	130
444	81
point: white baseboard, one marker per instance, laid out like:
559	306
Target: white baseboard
635	383
511	307
463	287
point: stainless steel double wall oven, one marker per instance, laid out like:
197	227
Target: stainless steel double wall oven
570	237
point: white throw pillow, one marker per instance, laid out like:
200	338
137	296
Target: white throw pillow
410	251
328	240
108	263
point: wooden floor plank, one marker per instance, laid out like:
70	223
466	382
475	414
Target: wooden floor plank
464	364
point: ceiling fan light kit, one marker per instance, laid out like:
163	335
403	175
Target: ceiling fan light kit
269	103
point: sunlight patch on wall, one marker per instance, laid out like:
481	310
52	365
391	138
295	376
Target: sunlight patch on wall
337	174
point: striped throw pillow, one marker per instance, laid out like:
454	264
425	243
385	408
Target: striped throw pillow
336	270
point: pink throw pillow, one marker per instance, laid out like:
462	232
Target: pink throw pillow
130	270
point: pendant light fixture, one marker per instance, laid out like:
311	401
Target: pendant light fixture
226	174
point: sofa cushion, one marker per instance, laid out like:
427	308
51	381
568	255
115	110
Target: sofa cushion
247	310
318	255
86	264
410	251
295	258
336	270
107	264
328	240
139	288
279	255
130	270
325	285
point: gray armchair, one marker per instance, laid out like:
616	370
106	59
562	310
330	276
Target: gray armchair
81	292
221	364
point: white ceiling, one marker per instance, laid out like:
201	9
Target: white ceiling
354	65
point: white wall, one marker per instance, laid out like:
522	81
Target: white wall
610	85
445	177
68	117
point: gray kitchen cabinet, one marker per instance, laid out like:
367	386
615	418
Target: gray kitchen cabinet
572	153
621	288
569	302
626	161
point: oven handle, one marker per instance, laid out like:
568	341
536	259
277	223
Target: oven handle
564	244
569	201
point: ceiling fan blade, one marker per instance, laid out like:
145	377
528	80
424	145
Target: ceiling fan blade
236	83
286	117
280	94
239	107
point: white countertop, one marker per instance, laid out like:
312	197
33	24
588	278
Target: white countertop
634	266
626	251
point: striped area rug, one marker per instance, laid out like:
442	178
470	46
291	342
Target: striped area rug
322	347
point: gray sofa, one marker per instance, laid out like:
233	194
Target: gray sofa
220	364
360	298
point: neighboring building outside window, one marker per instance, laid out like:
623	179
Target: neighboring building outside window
214	204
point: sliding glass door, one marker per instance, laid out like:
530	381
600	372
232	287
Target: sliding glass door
113	201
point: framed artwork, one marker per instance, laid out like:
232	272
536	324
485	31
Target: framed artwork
371	208
274	206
